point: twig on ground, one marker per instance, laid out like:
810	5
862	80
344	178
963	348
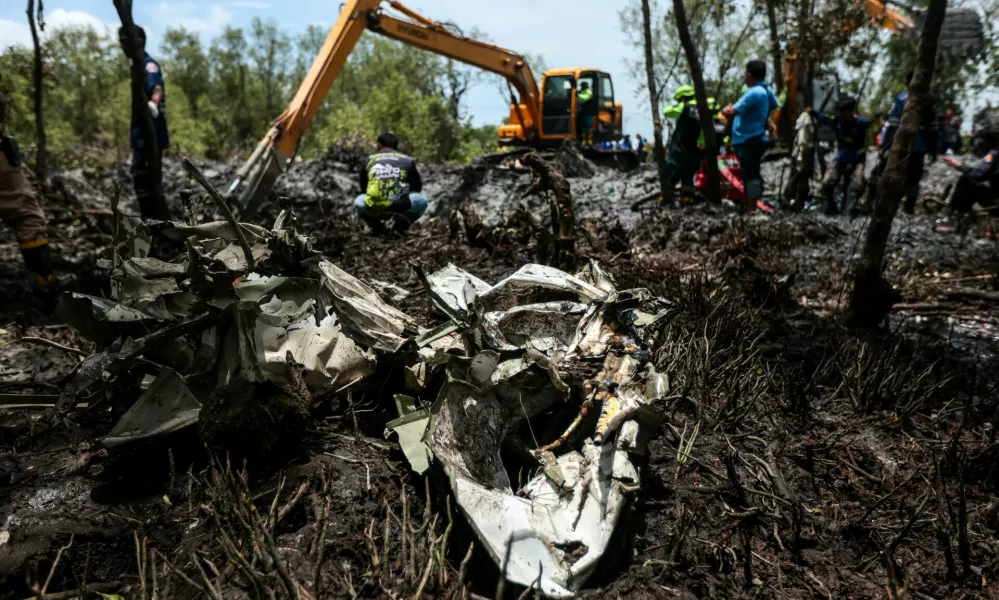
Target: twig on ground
55	564
52	344
198	176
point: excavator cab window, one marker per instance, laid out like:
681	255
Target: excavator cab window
606	92
556	109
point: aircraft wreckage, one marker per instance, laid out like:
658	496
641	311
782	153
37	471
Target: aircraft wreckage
545	372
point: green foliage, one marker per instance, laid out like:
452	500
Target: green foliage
223	96
727	35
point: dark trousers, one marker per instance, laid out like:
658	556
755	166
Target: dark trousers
798	188
142	181
750	155
840	172
917	163
968	192
682	169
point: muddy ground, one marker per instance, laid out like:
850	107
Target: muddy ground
798	460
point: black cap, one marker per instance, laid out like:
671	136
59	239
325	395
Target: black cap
388	140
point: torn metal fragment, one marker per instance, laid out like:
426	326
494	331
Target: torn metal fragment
453	286
167	406
360	310
412	427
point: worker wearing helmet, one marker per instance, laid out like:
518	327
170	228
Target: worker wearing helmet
392	187
19	209
684	148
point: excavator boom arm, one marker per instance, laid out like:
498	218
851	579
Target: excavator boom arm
278	147
487	57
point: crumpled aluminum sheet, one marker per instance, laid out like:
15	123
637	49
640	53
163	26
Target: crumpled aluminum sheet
548	327
533	284
361	311
546	526
329	358
453	284
562	520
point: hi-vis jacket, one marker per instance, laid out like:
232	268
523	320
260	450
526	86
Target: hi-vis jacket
387	179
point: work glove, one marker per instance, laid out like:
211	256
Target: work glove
153	109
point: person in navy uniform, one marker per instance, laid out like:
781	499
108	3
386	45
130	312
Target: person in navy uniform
978	184
156	93
851	143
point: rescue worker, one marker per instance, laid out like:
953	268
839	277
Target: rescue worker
641	148
392	186
626	142
19	209
585	113
950	136
156	92
925	146
979	184
798	191
749	118
851	144
684	158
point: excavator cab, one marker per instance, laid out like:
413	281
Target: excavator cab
564	116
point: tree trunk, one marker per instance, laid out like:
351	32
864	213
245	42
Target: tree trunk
41	154
658	150
872	296
150	146
785	124
707	127
775	53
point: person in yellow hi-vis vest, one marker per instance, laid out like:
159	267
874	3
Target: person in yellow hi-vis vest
687	142
391	186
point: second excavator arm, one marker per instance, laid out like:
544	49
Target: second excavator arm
276	150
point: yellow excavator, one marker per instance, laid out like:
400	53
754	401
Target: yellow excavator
542	117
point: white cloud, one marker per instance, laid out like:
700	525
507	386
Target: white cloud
14	34
193	17
17	33
249	4
60	18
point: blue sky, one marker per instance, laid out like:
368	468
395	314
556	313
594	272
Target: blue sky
568	33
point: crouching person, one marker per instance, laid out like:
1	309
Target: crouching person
392	186
978	184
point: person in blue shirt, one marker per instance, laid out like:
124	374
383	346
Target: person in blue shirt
749	128
851	135
626	142
156	93
926	144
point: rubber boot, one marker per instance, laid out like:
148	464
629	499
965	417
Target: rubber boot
38	260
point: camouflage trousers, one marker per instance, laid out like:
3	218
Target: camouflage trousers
19	206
